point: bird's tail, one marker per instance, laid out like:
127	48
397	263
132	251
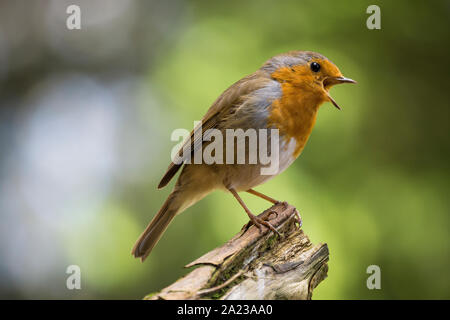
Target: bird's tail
157	226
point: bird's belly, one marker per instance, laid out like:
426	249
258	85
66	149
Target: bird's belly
246	176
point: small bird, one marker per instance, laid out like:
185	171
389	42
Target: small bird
284	94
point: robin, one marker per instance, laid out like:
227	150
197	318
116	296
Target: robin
284	94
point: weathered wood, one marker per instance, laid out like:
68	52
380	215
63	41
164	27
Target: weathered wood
256	265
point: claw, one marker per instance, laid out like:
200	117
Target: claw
246	226
260	222
284	203
254	219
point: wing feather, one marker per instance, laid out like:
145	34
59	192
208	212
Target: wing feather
227	102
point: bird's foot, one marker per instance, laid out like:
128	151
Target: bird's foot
284	203
260	222
267	215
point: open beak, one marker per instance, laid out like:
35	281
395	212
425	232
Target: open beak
331	81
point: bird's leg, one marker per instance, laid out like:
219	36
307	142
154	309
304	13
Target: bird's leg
267	198
285	204
254	219
263	196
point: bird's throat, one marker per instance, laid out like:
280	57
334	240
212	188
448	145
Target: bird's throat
294	114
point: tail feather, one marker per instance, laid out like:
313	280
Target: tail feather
156	228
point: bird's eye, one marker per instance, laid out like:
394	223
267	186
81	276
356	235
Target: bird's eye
315	67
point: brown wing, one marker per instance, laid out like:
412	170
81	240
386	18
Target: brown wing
191	145
225	104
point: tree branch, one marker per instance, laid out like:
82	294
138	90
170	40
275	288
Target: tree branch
256	265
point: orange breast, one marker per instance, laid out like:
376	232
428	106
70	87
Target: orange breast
294	114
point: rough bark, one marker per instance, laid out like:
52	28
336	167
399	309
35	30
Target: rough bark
256	265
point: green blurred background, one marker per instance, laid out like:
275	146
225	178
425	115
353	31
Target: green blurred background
86	117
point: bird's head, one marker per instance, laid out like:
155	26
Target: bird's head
309	72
